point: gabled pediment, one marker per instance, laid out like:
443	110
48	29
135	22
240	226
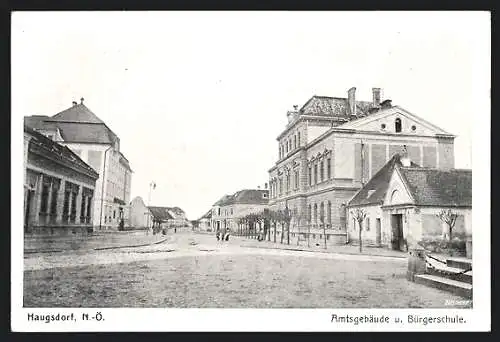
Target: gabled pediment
397	192
387	121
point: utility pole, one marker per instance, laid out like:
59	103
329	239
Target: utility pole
152	185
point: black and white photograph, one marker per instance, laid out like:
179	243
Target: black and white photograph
312	163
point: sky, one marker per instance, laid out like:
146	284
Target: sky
199	98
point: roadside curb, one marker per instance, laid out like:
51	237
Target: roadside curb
131	246
326	252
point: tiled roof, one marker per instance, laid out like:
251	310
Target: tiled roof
77	113
176	210
160	213
436	187
207	215
58	151
333	106
247	196
76	124
223	200
374	191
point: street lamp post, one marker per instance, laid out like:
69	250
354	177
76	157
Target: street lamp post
152	185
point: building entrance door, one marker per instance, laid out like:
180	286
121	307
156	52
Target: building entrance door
397	232
378	232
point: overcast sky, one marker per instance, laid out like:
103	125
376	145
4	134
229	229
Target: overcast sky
198	98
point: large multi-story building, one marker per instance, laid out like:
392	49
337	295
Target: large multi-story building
58	188
94	142
227	211
332	146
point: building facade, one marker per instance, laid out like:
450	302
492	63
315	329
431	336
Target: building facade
332	146
140	216
204	223
58	188
230	208
95	143
402	203
160	217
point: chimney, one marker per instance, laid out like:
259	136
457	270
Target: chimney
265	185
295	107
258	187
351	100
377	92
74	103
81	100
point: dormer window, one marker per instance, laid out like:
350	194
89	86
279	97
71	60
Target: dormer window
397	125
382	126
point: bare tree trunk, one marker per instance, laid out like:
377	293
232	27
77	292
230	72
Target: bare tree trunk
282	231
360	241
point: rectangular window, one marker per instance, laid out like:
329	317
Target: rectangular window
82	209
367	223
66	206
114	213
310	176
45	199
321	171
328	168
316	174
73	207
298	138
53	205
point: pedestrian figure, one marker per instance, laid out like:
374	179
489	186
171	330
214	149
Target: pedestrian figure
218	236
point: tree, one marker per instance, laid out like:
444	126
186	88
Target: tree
450	218
359	215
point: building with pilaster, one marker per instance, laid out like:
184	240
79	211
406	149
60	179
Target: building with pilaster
332	146
59	188
95	143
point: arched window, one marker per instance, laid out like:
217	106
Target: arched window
397	125
294	141
309	214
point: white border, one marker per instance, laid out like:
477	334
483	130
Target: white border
477	319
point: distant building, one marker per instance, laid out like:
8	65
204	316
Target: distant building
59	188
204	223
402	200
140	216
161	217
94	142
227	211
179	219
332	146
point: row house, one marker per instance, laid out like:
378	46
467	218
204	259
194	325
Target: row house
230	208
332	146
59	188
95	143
